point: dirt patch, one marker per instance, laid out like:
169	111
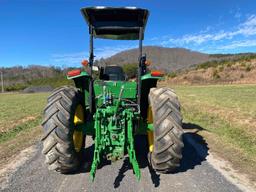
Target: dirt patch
16	152
17	144
17	161
4	129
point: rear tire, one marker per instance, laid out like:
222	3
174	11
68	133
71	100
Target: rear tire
167	119
58	126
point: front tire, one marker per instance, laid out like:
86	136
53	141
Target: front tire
167	120
59	128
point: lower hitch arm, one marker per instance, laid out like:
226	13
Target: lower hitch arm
97	149
131	150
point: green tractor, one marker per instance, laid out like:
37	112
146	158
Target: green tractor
112	109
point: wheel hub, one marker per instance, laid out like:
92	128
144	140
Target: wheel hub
78	136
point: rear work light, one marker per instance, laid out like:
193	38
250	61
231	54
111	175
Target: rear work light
74	72
157	74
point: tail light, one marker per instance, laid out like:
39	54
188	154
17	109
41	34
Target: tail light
74	72
157	74
85	63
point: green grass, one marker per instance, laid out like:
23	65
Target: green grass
227	132
15	107
20	117
20	113
224	112
227	97
12	133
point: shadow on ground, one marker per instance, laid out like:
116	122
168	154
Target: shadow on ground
191	157
141	147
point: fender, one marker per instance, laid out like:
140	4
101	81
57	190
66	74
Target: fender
149	81
157	75
81	78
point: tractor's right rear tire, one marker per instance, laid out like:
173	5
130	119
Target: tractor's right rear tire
167	120
58	125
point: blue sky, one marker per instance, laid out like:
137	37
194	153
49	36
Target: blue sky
53	32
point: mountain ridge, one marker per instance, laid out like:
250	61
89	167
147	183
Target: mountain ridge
167	59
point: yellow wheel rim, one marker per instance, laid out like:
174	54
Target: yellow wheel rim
150	133
78	136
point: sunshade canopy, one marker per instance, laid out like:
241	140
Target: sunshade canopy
121	23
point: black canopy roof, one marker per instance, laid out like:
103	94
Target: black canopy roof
121	23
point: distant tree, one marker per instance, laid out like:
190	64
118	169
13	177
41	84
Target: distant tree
56	69
130	70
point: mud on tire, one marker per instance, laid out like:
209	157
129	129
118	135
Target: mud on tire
58	126
167	119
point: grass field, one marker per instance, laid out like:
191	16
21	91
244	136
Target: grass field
225	115
15	108
20	116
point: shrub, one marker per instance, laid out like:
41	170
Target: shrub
215	74
172	75
130	70
16	87
229	64
221	68
248	68
243	64
208	64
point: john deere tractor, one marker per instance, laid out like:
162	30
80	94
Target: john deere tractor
111	108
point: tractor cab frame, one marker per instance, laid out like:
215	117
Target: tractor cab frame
126	23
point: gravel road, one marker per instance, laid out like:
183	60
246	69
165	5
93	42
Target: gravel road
195	174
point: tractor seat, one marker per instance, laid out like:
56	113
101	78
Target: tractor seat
112	73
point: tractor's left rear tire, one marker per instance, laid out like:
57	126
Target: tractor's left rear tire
167	120
59	128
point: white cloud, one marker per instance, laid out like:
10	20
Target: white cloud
245	29
248	27
107	51
68	59
71	59
197	39
239	44
207	29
